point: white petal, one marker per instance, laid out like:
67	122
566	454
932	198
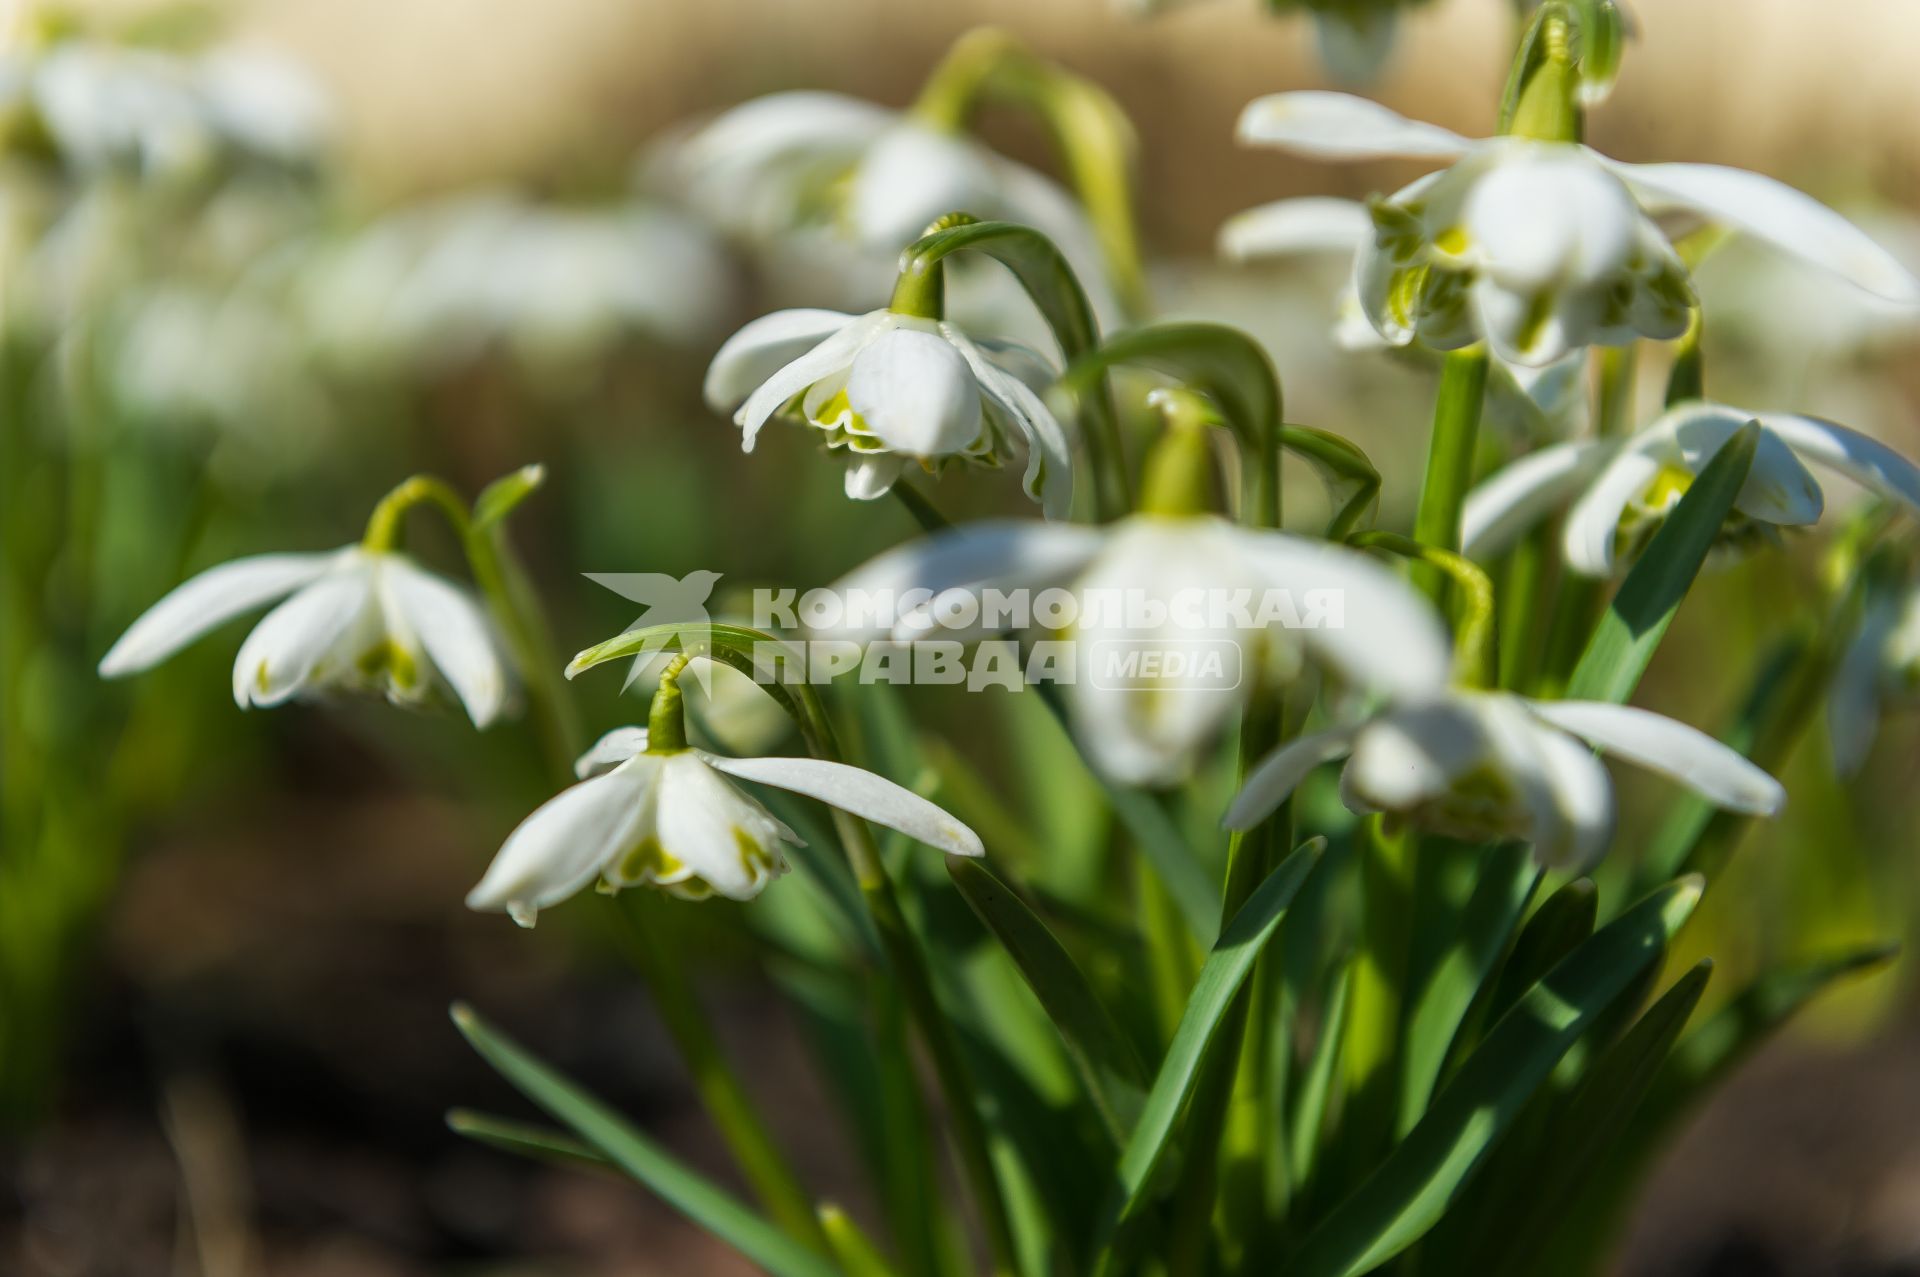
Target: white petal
1340	126
563	845
616	747
728	839
853	789
764	347
1593	525
1049	475
1549	217
1376	630
915	392
1775	212
1673	749
1280	772
1512	500
1859	457
1313	224
1853	701
1777	490
1024	551
210	599
1582	795
913	174
288	648
871	476
830	356
458	636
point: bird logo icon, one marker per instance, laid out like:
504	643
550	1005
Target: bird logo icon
669	601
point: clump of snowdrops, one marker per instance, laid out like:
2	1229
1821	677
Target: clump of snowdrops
1329	987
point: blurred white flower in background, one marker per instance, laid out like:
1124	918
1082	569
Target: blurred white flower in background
1538	247
1879	668
1617	491
677	821
556	287
895	389
357	620
835	187
1488	765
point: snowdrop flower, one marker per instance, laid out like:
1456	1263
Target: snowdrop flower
1355	36
674	820
353	620
1530	402
555	287
1880	666
867	177
1481	766
1156	583
1542	247
1620	489
892	389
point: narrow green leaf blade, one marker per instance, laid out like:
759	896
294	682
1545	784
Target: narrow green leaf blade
1105	1060
1624	641
857	1254
603	1130
1316	1087
523	1138
499	498
1424	1173
1506	882
1224	971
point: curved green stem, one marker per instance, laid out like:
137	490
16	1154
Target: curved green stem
1049	282
1475	660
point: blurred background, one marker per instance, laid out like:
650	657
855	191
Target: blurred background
441	236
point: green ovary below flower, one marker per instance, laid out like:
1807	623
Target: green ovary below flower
674	820
893	390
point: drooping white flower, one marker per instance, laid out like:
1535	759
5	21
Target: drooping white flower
554	287
1879	667
892	389
1620	489
353	620
1149	588
864	177
1542	247
674	820
1531	402
1482	766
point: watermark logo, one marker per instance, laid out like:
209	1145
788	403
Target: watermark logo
1115	639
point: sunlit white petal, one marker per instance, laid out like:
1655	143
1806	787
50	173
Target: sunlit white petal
1516	498
1341	126
915	392
612	749
1277	775
563	845
764	347
855	790
458	636
208	600
290	647
1673	749
1306	225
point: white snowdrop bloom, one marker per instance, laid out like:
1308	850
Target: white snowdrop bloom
1880	667
1149	591
1482	766
1620	489
554	286
1531	402
895	389
675	820
353	620
874	178
1537	247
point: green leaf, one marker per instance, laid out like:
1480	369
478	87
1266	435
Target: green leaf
1712	1051
1225	970
1425	1172
1506	882
1105	1060
857	1254
523	1138
499	498
1561	923
1591	1122
1627	635
603	1130
1305	1129
1225	365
